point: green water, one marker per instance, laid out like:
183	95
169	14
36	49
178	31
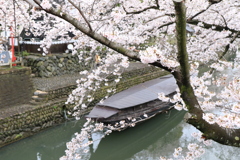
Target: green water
50	144
156	137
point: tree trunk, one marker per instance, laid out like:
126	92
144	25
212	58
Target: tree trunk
182	76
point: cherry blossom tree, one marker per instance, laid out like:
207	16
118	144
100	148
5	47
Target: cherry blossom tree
184	35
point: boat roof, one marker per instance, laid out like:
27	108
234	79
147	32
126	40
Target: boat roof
102	112
142	93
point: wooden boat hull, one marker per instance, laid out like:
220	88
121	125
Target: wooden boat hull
138	112
137	103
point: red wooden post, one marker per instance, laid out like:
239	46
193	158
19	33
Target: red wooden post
12	49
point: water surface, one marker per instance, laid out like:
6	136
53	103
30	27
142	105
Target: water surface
156	137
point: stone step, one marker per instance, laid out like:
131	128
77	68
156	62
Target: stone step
33	102
38	99
41	94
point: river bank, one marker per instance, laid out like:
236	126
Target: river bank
47	107
50	144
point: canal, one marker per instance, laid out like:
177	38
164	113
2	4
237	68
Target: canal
156	137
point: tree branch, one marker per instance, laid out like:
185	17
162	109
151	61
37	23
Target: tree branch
200	12
164	25
100	38
81	13
37	3
214	1
170	14
31	3
143	10
228	46
224	20
226	49
226	136
212	26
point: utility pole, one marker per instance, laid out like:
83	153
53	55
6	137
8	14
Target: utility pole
13	32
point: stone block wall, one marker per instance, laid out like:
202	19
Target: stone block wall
32	121
54	65
51	95
16	86
60	92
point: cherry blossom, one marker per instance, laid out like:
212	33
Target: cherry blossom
142	30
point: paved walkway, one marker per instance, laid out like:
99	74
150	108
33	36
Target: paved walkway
46	84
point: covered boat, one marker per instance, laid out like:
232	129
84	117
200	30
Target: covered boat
138	102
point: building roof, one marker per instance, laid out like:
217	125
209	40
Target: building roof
40	42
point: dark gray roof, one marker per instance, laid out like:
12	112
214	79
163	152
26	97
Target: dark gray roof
102	112
141	93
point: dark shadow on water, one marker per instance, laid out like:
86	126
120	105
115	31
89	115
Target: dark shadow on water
123	145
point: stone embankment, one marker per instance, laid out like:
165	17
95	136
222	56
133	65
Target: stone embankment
47	107
50	66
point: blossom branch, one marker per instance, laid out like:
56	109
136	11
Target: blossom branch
143	10
36	3
20	9
214	1
100	38
32	3
169	14
226	49
166	24
202	11
211	26
228	46
222	18
80	11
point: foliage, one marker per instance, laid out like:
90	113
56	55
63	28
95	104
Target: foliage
18	136
25	53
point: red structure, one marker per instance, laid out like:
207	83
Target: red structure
12	49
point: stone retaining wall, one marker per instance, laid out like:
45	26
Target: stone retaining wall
32	121
141	75
54	65
16	86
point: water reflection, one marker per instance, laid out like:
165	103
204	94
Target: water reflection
165	146
123	145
